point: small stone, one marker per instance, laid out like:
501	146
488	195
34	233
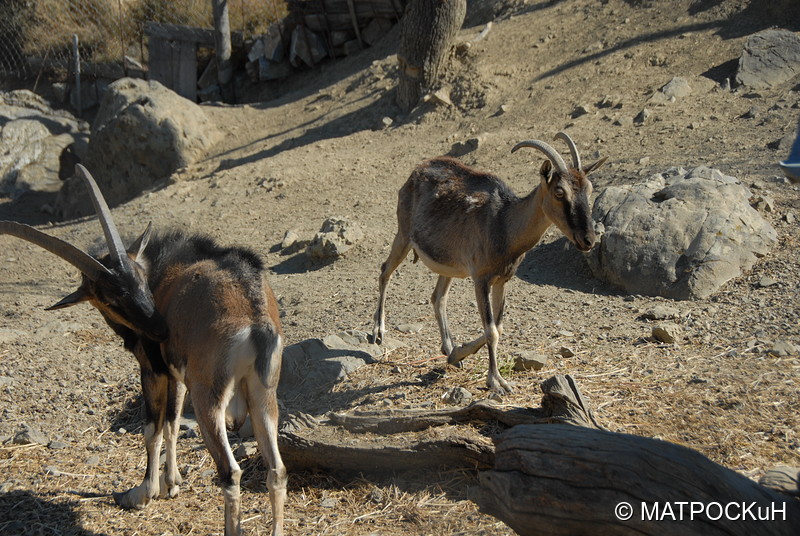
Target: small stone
504	108
92	460
440	96
677	88
764	203
667	333
581	109
290	238
396	370
783	349
329	502
566	352
409	328
642	116
789	218
457	396
386	122
566	333
28	435
52	470
783	479
57	445
660	312
766	281
530	361
245	450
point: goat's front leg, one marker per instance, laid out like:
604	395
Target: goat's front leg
400	248
154	391
458	353
494	380
171	478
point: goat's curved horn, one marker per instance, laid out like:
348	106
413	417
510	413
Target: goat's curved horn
77	258
551	153
576	158
115	247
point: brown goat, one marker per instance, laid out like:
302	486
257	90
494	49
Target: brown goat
195	315
465	223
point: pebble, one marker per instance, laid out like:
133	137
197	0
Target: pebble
667	332
566	352
783	349
92	460
457	396
660	312
530	361
409	328
766	281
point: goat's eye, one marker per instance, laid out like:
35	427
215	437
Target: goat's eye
559	192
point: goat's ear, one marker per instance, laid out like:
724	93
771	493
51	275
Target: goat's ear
138	246
591	167
546	171
79	296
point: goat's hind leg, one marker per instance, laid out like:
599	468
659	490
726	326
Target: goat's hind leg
400	248
154	391
210	412
439	302
263	404
171	477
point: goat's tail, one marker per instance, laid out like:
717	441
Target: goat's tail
269	353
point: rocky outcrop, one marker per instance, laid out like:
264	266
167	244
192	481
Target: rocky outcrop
143	133
33	141
681	234
769	58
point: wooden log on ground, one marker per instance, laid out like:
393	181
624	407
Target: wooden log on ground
381	455
562	402
568	480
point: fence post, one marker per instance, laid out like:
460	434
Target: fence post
76	55
222	40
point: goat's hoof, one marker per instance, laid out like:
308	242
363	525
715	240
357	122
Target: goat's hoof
130	499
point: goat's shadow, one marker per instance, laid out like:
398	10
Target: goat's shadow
25	514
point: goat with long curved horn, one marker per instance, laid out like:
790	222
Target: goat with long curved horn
551	153
115	247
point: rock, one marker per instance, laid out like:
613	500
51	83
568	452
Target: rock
143	132
335	237
610	101
770	58
308	49
789	218
764	203
677	88
642	116
33	137
462	148
52	470
457	396
581	109
440	97
529	361
679	234
660	312
290	238
315	365
246	449
783	349
766	281
92	460
667	332
409	328
566	352
57	445
28	435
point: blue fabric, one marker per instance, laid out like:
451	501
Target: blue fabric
794	154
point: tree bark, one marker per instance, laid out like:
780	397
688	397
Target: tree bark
568	480
222	39
429	28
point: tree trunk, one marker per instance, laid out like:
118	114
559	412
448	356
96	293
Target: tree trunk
222	39
569	480
429	28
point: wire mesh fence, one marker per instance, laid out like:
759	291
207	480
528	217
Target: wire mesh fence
37	36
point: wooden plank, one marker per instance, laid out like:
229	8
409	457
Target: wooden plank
185	65
160	61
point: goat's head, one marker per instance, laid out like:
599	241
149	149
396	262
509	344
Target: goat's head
115	284
567	191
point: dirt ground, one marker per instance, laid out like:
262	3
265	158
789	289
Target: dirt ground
320	148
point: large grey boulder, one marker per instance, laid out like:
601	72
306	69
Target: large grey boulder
770	58
143	132
33	137
681	234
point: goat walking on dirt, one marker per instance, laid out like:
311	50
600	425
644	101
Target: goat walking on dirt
195	315
465	223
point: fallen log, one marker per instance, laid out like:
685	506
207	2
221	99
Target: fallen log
569	480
